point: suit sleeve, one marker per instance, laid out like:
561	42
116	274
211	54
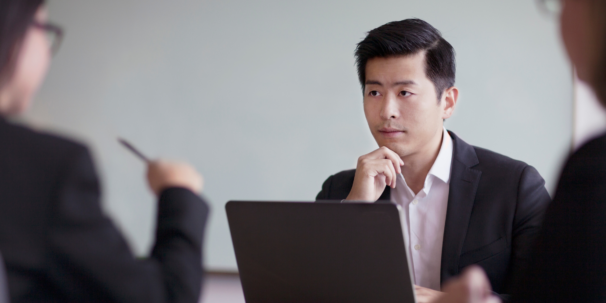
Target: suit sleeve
533	199
89	260
324	194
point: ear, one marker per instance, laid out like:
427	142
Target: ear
449	101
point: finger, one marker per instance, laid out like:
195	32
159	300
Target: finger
477	277
386	175
385	153
152	163
395	175
378	153
392	169
380	167
395	158
397	161
478	284
390	172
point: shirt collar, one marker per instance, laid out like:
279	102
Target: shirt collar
441	167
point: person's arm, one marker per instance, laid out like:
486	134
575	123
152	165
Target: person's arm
532	202
324	194
89	260
182	217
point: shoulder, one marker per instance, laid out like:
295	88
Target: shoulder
342	179
37	147
482	159
492	160
586	167
337	186
502	175
591	153
23	135
498	172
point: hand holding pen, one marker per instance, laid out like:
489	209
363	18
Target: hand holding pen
162	174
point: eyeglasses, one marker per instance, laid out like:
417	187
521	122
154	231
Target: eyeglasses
551	7
54	34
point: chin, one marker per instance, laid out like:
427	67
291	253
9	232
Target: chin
399	149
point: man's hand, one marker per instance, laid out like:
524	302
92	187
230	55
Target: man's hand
164	174
470	287
375	171
426	295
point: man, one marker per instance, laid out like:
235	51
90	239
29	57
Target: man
462	205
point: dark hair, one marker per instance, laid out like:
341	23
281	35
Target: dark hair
408	37
15	18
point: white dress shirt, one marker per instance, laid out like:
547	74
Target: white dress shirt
423	216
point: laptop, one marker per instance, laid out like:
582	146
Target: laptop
320	252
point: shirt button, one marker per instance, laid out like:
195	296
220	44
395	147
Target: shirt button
415	202
417	247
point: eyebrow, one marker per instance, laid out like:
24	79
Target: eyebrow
405	82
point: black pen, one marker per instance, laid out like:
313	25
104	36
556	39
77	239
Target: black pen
133	149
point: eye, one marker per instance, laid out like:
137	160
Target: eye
405	93
373	93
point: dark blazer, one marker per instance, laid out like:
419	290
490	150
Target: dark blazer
494	212
59	246
569	261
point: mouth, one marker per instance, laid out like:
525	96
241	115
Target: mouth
391	132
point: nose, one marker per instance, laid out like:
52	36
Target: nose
389	108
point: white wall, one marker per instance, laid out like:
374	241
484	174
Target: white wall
589	115
262	96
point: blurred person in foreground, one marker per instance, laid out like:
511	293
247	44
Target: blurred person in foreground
569	262
57	244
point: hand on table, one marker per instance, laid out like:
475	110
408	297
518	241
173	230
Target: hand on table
374	172
472	286
163	174
426	295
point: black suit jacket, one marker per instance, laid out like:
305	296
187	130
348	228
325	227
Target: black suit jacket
57	244
494	212
569	261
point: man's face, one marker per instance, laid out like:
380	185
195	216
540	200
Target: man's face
401	105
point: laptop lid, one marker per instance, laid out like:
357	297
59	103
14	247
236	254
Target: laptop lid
320	252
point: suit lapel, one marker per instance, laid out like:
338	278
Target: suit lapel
462	191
